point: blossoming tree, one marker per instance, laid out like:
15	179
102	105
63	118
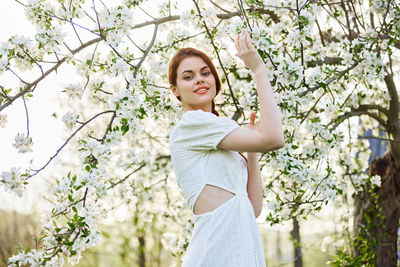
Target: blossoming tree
328	61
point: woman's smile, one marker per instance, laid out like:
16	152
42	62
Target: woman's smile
201	90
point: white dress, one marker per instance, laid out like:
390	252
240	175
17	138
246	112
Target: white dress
228	235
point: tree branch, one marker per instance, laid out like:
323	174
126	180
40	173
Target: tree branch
326	60
372	106
127	176
27	117
147	50
359	113
34	83
328	81
66	142
235	101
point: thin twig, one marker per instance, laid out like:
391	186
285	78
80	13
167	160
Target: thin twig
13	72
235	101
76	33
225	10
34	83
120	56
66	142
138	47
97	18
127	176
20	3
76	24
4	93
328	81
240	3
27	117
84	196
147	50
37	64
109	127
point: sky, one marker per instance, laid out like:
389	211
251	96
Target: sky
45	130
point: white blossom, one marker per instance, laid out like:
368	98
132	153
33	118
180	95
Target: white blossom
376	180
70	119
187	17
101	152
50	38
115	21
93	238
23	143
118	67
3	64
74	91
13	180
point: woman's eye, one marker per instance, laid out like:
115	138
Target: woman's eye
206	73
187	77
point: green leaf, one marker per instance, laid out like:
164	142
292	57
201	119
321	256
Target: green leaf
105	234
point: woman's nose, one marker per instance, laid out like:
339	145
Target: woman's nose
199	80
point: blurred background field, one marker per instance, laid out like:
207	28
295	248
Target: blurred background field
120	246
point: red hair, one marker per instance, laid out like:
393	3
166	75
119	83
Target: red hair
186	52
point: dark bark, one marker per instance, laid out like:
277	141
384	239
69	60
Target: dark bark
298	261
141	249
381	226
140	234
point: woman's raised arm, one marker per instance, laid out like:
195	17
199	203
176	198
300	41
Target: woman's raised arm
268	133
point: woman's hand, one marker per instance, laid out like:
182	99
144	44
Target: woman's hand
252	125
247	52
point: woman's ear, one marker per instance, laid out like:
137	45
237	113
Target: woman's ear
174	90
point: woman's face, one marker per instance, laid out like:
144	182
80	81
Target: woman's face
195	84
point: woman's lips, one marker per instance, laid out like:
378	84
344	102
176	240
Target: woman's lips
201	90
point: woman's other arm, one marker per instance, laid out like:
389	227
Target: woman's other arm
254	183
268	133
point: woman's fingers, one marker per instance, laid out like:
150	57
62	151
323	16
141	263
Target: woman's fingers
248	43
246	51
237	44
242	43
252	118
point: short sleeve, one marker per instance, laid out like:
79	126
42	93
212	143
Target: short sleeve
200	130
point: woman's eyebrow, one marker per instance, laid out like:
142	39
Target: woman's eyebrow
193	71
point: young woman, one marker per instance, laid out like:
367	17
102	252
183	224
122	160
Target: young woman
222	188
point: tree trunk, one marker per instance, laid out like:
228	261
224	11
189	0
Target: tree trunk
298	261
140	235
141	248
381	226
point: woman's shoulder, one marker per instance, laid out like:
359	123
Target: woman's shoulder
193	119
199	117
198	114
200	130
